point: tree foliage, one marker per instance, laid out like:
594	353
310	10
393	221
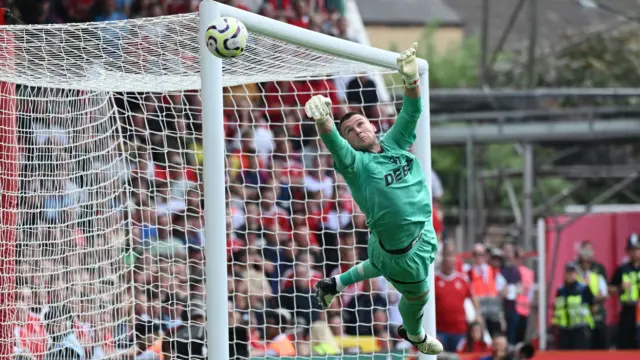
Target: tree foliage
455	67
602	59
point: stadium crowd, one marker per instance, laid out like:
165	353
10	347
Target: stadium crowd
291	222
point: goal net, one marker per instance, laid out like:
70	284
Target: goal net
101	175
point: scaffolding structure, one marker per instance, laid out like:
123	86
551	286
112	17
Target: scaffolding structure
529	123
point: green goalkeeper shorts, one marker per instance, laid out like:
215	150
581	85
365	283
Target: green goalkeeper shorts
408	272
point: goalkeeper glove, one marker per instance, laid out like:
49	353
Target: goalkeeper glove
318	108
408	67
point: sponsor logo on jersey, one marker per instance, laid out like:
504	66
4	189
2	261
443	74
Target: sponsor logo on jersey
399	173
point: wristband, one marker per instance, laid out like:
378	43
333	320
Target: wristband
412	83
322	120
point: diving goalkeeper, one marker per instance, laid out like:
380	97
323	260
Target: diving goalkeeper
387	182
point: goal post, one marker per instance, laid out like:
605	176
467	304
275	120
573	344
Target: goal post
214	183
113	138
210	10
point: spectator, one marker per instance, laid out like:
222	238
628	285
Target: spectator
525	296
238	337
510	291
362	91
190	341
438	213
449	247
339	27
298	299
347	259
322	340
451	291
363	309
474	341
485	282
585	258
31	338
181	6
280	213
593	275
63	343
301	15
499	349
496	259
124	6
250	5
146	333
110	11
280	341
36	12
317	180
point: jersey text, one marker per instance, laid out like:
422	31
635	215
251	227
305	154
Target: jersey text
398	173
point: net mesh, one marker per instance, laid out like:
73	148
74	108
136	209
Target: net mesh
102	201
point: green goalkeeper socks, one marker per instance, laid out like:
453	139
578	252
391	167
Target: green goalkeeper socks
363	271
412	312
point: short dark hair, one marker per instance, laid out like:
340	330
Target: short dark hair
346	117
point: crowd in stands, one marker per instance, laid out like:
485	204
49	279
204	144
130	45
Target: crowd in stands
319	15
486	298
291	221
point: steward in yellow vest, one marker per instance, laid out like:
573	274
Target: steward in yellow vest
572	312
626	283
597	283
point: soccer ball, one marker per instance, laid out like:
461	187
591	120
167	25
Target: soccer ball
226	37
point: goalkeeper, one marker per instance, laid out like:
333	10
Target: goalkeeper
387	182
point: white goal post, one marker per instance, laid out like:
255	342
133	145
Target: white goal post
212	74
104	171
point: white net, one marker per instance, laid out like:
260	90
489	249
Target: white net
102	197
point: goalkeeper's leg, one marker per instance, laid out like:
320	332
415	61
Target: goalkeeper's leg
411	307
409	274
328	289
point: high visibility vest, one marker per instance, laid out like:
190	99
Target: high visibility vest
324	349
631	294
523	302
593	282
482	287
570	311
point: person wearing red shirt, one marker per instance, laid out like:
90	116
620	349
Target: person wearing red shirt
473	342
451	291
438	224
289	277
301	17
31	337
449	247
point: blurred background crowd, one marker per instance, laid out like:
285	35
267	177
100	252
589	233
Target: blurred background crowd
291	221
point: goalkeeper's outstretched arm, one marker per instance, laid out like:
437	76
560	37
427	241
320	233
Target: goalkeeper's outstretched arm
402	133
319	108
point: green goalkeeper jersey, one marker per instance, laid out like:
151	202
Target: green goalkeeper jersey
389	186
